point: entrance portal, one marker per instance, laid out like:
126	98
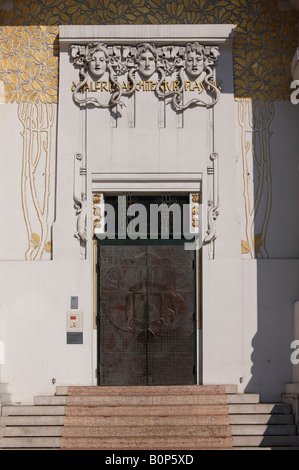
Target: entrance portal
146	314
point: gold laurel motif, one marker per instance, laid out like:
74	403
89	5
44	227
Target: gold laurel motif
29	64
37	121
265	40
255	120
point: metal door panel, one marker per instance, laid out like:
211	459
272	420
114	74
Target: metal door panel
171	344
123	303
147	313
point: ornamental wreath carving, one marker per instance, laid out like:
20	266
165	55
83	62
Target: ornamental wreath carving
168	71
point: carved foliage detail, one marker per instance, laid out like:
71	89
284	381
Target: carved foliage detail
37	121
255	118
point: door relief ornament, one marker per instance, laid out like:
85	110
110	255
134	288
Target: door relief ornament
122	70
98	213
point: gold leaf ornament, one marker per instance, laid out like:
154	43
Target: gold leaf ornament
48	247
258	241
35	239
245	248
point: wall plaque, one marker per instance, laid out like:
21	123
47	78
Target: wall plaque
74	337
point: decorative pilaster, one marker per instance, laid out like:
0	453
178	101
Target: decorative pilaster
80	201
213	204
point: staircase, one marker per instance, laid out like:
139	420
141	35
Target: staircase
147	418
38	426
141	418
264	426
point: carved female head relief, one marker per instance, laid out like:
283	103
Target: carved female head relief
146	58
194	57
96	58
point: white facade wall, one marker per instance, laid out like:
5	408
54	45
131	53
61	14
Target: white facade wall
247	303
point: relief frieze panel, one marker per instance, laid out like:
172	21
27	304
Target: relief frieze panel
109	73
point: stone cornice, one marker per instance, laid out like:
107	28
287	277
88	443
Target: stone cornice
134	34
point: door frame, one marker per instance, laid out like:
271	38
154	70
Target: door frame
149	183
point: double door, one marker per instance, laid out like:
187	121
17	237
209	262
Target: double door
146	315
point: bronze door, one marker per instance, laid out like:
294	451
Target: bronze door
146	321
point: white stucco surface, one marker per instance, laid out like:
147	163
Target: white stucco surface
247	304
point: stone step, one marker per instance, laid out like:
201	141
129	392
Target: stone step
149	400
61	390
141	418
260	408
146	443
148	390
139	400
243	398
265	441
50	400
31	410
29	442
261	419
32	431
175	420
153	410
146	431
263	430
32	420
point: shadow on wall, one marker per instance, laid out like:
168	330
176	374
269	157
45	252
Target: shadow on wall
269	241
277	285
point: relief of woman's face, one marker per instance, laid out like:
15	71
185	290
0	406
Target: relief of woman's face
97	65
147	64
194	64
